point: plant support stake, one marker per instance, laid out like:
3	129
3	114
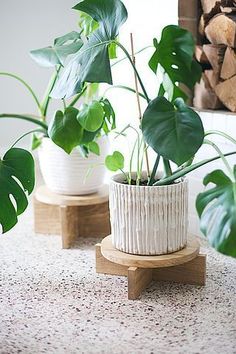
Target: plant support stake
138	101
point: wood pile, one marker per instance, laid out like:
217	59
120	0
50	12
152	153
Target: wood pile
217	55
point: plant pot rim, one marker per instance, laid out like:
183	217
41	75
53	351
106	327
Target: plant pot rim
119	179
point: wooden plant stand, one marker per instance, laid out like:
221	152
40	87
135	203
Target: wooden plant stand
71	216
186	266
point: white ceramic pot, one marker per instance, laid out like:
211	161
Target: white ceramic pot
148	220
66	174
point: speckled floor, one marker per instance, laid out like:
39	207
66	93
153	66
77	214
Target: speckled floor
52	301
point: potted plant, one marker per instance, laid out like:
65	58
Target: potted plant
69	146
149	210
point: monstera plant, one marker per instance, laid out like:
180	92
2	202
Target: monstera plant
168	125
69	128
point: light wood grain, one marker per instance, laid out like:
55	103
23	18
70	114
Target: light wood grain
71	221
46	218
104	266
138	280
44	195
193	272
168	260
69	225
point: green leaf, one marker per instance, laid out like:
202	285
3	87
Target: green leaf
92	62
94	148
65	130
216	208
175	53
173	130
112	51
57	54
115	161
36	141
87	24
109	116
16	177
91	116
89	136
83	149
172	90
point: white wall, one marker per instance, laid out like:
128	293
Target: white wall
26	25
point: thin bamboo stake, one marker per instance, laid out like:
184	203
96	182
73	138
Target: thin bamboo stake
138	100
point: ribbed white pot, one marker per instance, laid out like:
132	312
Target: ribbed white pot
148	220
66	174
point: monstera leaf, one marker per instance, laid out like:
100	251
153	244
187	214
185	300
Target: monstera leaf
175	53
87	24
217	211
174	131
65	130
63	46
16	177
92	62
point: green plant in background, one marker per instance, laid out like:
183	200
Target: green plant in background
168	125
70	127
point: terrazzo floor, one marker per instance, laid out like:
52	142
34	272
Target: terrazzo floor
52	301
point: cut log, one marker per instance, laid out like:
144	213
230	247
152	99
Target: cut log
204	96
215	55
229	64
227	10
221	29
209	5
212	77
226	93
201	26
200	55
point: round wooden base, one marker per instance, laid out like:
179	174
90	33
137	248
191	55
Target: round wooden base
71	216
168	260
44	195
186	266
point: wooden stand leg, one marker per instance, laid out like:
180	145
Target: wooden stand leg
69	225
103	266
138	280
193	272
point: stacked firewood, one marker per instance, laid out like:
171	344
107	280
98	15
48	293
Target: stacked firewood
217	54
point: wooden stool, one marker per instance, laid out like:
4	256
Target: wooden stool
186	266
71	216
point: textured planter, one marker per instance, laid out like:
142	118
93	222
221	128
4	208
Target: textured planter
66	174
148	220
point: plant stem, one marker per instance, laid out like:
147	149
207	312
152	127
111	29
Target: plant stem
218	132
167	167
126	178
24	135
64	103
77	97
47	98
25	117
131	161
135	70
154	170
189	169
29	88
139	51
206	141
123	87
138	99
